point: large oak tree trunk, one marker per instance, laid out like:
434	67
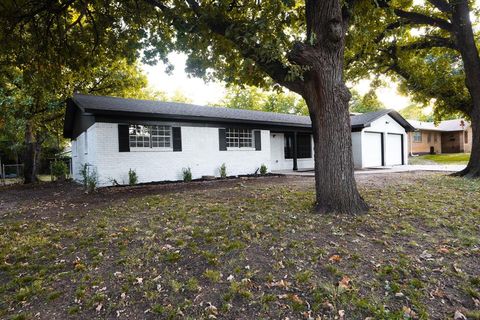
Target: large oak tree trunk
327	99
32	151
465	40
336	189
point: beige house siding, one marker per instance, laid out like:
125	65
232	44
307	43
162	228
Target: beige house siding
454	142
429	139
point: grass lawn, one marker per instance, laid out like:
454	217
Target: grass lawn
243	249
446	158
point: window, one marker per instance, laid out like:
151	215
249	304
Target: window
239	138
417	136
150	136
304	146
466	136
429	137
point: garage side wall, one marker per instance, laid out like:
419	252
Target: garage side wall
357	149
200	152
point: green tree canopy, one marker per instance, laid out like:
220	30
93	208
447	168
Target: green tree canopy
254	98
416	112
368	103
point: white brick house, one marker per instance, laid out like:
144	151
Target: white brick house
158	139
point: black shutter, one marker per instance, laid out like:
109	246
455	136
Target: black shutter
123	139
177	138
222	139
258	140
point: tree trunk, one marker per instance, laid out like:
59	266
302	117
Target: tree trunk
336	189
473	167
465	40
327	99
32	150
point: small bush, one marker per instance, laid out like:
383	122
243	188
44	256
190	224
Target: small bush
132	177
59	170
263	169
90	178
223	171
187	174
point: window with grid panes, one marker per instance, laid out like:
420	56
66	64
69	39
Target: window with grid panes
239	138
150	136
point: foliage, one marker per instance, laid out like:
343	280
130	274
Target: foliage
263	169
419	56
178	96
253	98
132	177
89	178
223	170
187	174
59	169
416	112
50	52
368	103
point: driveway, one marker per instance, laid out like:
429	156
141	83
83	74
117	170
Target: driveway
380	170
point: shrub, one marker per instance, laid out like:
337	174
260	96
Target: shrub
90	178
263	169
223	171
187	174
59	170
132	177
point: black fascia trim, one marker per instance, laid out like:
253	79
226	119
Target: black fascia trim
196	122
192	118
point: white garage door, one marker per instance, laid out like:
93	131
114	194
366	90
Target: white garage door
372	149
394	149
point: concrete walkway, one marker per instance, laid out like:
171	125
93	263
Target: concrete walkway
384	170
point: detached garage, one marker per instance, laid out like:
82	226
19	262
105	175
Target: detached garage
380	139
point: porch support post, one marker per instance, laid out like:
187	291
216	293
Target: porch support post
295	167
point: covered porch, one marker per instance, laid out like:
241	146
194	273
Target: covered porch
291	150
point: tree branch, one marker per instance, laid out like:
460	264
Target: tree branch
441	5
430	42
272	67
416	18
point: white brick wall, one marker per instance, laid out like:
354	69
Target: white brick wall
82	155
200	152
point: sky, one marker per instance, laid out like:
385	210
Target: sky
204	93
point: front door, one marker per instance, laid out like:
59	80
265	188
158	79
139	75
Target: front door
277	157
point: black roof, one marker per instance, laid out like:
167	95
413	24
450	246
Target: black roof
102	105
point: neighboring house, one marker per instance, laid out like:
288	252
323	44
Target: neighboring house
159	139
450	136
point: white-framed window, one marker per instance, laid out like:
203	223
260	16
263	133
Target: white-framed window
239	138
417	136
150	137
